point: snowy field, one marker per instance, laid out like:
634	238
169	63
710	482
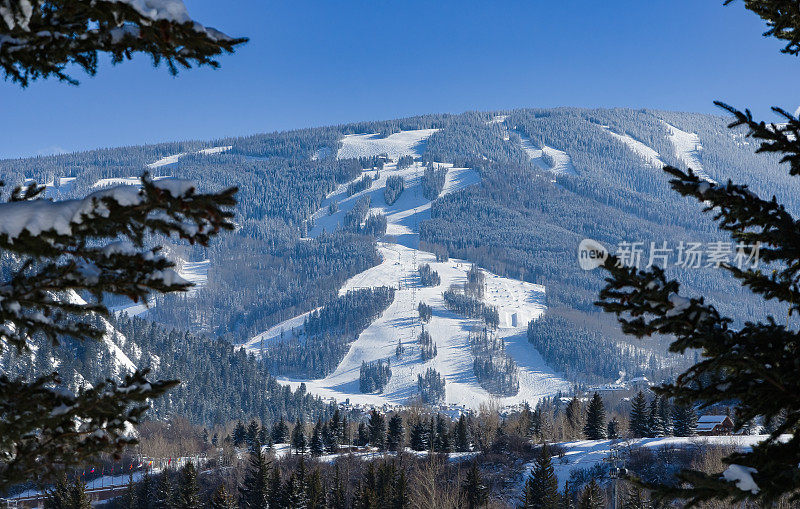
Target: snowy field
687	150
517	302
585	454
404	143
548	158
172	159
649	155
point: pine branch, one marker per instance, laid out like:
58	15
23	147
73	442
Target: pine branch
44	427
41	39
783	18
95	246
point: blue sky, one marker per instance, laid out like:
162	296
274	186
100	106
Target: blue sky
313	63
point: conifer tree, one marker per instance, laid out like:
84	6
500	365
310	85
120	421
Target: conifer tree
239	434
131	498
317	448
684	420
541	488
299	440
91	247
592	496
145	494
222	499
68	495
337	498
753	364
362	435
612	430
164	497
251	435
188	488
473	491
400	499
461	439
314	491
418	436
654	425
276	495
396	433
255	489
635	499
280	432
639	426
377	430
43	39
595	428
574	415
442	442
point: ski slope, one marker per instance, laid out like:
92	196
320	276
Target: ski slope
687	150
404	143
517	302
649	155
548	158
172	159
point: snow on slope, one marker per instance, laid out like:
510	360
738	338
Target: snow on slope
649	155
585	454
403	217
518	302
404	143
687	150
172	159
548	158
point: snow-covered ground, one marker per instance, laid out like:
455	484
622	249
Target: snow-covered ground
688	150
548	158
404	143
585	454
517	302
172	159
649	155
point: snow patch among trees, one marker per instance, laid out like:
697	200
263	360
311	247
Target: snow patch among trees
395	145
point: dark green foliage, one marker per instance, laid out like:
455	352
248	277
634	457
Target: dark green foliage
419	436
684	420
441	438
472	307
404	162
753	365
254	490
461	438
317	447
188	496
299	440
592	497
427	346
47	38
355	216
425	312
613	430
328	334
495	370
433	180
639	425
164	495
377	430
222	499
280	432
431	386
575	349
360	185
374	376
214	373
375	225
595	428
394	188
473	491
428	276
396	434
541	488
68	495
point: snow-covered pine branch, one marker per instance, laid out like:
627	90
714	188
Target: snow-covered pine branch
41	39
